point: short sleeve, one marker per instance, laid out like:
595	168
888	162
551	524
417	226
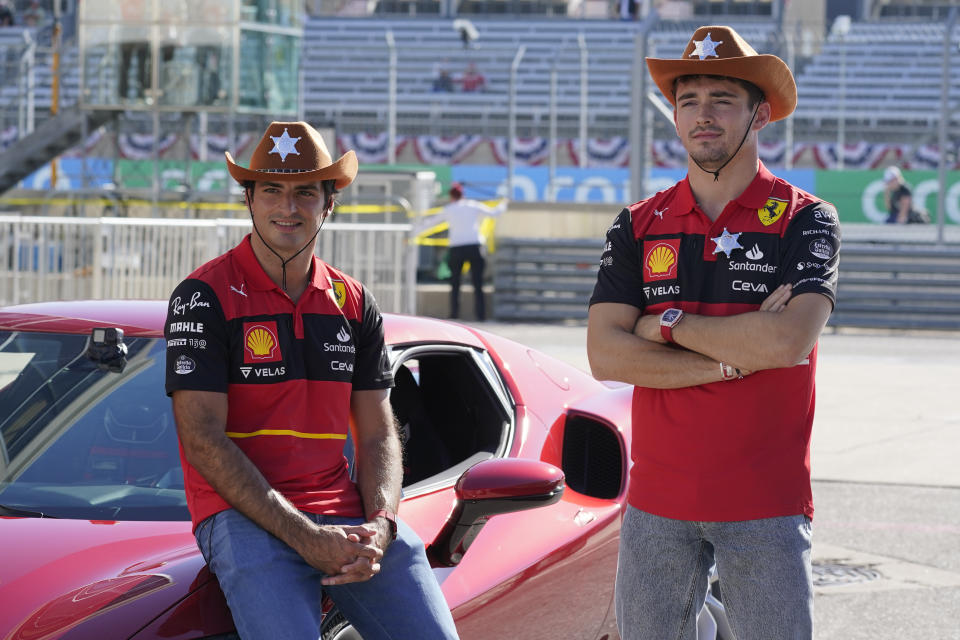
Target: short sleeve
372	365
811	248
198	351
620	277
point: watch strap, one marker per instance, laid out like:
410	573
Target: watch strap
666	327
666	331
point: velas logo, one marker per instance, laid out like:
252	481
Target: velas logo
772	211
260	342
660	258
339	292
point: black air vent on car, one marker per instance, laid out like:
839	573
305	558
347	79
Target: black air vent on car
592	458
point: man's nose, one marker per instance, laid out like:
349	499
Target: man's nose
704	113
291	202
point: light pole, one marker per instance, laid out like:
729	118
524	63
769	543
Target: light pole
840	29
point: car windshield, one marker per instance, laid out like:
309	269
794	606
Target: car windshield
80	441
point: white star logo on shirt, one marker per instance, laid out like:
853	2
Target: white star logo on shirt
726	242
284	145
706	47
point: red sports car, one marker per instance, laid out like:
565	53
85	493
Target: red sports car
515	471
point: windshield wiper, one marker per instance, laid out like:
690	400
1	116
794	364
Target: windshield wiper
22	513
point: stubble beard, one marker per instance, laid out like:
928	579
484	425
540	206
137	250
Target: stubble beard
709	156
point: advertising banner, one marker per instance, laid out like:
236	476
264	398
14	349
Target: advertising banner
858	195
70	174
575	184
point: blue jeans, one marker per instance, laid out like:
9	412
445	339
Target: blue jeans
766	579
273	593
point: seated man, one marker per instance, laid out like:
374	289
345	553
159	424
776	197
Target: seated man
292	358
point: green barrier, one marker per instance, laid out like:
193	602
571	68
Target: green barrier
858	195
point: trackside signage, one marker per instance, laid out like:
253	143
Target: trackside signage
858	195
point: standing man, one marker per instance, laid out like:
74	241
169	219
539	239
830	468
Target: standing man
710	298
465	217
272	356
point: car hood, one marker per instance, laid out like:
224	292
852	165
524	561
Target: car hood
89	576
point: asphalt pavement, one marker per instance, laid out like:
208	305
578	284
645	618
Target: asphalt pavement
886	478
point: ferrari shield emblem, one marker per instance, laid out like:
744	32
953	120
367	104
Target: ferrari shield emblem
771	211
339	292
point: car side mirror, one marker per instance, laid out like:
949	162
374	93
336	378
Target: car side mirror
489	488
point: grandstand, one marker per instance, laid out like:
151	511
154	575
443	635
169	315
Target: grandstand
890	88
893	79
346	67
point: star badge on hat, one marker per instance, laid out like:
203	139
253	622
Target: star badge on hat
284	145
705	48
737	59
311	162
726	242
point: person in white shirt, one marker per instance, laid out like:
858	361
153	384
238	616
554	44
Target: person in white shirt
466	244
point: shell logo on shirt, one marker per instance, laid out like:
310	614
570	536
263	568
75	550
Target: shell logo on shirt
260	342
660	258
339	292
771	211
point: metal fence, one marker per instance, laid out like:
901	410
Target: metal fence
49	258
890	277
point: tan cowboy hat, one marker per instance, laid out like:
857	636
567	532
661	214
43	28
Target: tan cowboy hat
720	51
294	152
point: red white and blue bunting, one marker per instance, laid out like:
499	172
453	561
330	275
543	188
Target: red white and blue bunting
607	153
526	151
217	144
925	157
371	148
601	152
861	155
445	150
139	146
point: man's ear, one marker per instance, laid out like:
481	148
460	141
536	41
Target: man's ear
762	118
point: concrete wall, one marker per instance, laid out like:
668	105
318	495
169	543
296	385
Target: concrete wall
561	220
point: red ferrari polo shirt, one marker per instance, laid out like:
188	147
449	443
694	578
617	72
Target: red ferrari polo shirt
288	371
736	450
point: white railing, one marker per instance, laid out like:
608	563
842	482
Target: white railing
47	258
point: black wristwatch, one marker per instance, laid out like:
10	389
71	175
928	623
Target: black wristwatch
668	320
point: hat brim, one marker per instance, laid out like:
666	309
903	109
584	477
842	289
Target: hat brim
768	72
343	171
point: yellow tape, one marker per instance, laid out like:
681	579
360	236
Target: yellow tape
288	432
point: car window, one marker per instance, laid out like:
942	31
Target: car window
82	442
451	413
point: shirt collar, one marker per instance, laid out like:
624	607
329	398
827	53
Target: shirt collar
258	278
684	202
753	197
758	191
